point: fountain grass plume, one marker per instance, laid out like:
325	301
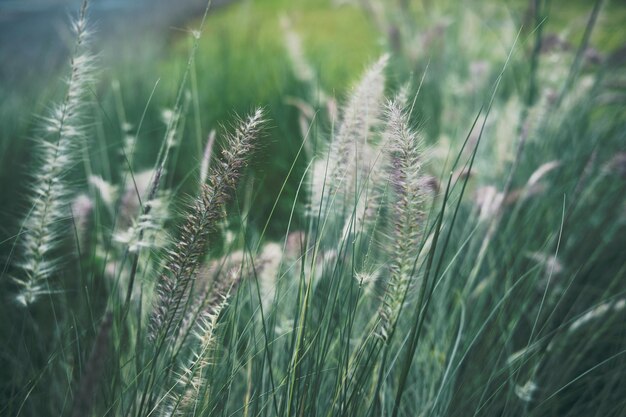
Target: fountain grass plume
408	197
350	143
191	381
59	148
359	115
183	260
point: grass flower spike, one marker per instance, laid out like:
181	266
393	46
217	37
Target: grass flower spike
408	199
60	147
350	152
183	260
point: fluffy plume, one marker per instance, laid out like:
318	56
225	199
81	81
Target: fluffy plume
221	274
489	201
361	113
183	260
138	226
527	391
351	142
59	148
408	200
212	283
82	213
267	267
598	311
108	192
302	69
183	400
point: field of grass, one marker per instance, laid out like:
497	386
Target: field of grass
322	208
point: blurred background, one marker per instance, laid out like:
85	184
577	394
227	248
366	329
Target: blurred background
295	57
35	33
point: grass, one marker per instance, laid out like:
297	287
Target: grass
448	242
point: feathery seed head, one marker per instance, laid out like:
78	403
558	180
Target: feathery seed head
59	147
361	113
351	152
527	391
82	208
302	69
191	378
267	267
408	199
206	211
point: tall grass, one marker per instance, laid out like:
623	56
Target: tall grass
454	246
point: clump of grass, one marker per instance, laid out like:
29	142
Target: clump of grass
387	295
